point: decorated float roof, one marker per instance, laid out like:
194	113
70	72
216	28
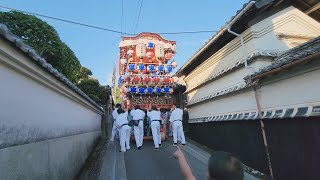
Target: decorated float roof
145	38
145	64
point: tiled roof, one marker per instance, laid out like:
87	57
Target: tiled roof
18	42
295	54
234	66
217	94
217	34
282	113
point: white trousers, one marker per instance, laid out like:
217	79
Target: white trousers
177	129
156	135
124	137
114	131
138	133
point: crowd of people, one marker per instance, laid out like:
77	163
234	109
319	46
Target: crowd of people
124	120
221	165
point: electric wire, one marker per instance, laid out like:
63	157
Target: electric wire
135	16
134	31
104	28
121	15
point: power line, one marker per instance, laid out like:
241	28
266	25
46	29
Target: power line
138	17
135	16
103	28
121	15
68	21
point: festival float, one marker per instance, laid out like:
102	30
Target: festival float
145	67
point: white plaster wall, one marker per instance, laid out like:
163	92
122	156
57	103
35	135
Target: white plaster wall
228	104
233	79
298	87
260	37
60	158
34	105
47	130
290	21
32	112
298	90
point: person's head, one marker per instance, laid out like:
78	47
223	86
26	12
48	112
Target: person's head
118	105
120	110
137	107
175	105
224	166
154	108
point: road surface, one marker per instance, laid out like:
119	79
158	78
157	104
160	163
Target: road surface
147	164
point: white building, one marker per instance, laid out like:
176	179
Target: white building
282	79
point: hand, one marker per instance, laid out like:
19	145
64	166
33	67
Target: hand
178	154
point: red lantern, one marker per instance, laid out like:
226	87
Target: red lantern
156	80
135	79
166	80
144	71
127	79
147	79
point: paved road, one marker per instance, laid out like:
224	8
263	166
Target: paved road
148	164
108	163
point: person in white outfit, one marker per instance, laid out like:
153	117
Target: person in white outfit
138	117
155	119
114	127
124	129
176	124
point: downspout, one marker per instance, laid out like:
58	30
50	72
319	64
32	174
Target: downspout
245	56
228	27
263	131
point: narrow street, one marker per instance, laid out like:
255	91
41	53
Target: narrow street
235	82
150	164
147	164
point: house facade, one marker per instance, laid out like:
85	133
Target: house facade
239	107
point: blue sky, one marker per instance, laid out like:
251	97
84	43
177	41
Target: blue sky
97	50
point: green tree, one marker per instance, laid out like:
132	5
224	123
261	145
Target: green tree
104	92
45	40
84	73
118	99
91	87
94	90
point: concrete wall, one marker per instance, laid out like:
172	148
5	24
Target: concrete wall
47	130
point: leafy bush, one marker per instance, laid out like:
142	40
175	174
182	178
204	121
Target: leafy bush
44	39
